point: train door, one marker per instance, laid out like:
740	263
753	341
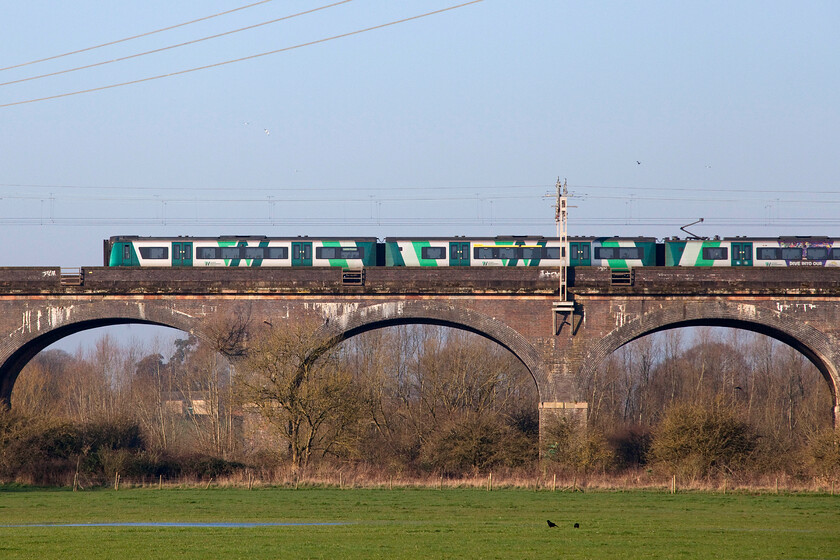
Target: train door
579	254
742	253
459	253
182	253
301	253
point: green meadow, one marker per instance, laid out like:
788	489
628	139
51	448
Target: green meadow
415	523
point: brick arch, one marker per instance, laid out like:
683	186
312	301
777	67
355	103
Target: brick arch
28	343
820	348
341	327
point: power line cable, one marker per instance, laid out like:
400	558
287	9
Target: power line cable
271	189
242	59
136	36
169	47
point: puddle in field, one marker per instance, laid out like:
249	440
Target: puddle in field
173	524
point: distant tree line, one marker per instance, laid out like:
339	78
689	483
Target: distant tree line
411	401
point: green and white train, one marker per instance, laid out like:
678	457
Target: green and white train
534	251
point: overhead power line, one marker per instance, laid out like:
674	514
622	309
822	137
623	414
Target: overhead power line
169	47
242	59
86	49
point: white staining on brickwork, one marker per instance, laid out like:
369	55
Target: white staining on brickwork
747	310
332	310
785	307
620	315
176	312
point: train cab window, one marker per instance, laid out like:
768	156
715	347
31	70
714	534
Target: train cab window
791	253
154	252
126	252
278	253
438	252
715	253
816	253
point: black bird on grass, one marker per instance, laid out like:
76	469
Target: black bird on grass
550	524
577	525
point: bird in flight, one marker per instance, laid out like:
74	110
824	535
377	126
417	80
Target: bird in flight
550	524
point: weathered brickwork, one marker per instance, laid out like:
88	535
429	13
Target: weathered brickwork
510	306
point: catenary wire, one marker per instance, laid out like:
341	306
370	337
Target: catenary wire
169	47
242	59
146	34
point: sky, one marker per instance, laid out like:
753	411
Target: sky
657	113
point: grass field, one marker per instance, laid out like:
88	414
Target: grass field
417	523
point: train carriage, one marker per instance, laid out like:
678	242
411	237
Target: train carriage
753	251
473	251
613	252
240	252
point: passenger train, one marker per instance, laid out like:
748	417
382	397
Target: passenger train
357	252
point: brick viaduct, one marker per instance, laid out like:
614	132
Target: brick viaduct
511	306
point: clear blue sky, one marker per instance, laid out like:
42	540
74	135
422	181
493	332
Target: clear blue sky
415	129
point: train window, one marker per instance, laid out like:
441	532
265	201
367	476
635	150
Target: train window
768	254
126	252
327	252
551	252
351	253
715	253
484	253
816	253
506	253
205	253
339	253
229	252
835	254
606	252
791	253
631	253
254	252
440	252
278	253
532	253
154	252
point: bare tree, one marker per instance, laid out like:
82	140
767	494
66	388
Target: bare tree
298	385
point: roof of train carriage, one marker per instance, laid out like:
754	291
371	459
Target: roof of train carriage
746	238
517	237
237	238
